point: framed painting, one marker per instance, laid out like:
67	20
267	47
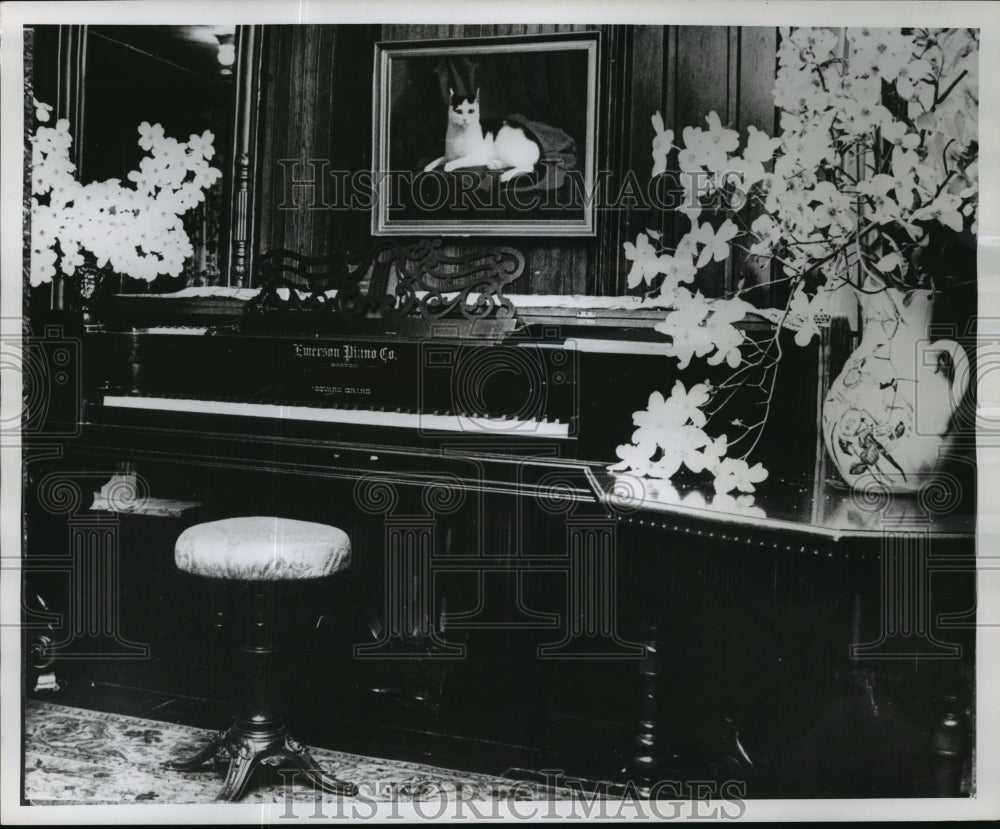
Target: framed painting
486	136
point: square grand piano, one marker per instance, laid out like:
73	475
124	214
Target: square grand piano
644	633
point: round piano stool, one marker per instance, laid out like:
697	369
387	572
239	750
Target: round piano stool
259	551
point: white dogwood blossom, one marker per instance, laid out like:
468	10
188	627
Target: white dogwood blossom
877	150
136	230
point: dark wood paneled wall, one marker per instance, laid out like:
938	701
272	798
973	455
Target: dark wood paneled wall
316	103
728	70
315	106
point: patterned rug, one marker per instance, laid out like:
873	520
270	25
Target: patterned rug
75	756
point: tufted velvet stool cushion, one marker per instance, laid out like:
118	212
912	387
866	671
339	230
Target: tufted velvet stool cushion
262	548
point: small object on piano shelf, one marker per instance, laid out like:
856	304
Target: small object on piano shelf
121	493
90	285
47	682
126	494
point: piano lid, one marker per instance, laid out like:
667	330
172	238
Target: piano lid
799	506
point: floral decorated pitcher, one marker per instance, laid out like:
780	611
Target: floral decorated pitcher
887	415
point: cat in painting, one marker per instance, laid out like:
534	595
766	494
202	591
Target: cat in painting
466	144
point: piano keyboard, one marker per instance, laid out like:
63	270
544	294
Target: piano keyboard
478	424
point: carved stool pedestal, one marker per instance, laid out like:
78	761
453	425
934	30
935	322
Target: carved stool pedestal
260	550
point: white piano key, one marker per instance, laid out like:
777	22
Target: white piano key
364	417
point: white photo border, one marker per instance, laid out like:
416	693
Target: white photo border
14	16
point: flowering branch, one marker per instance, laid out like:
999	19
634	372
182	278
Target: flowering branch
138	230
871	100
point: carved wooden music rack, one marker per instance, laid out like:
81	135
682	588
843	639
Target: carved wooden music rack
415	287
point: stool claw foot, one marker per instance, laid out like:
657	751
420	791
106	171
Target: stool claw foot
298	755
214	747
244	760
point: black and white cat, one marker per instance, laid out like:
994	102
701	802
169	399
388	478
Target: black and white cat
466	144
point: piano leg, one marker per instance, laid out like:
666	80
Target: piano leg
646	760
950	742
